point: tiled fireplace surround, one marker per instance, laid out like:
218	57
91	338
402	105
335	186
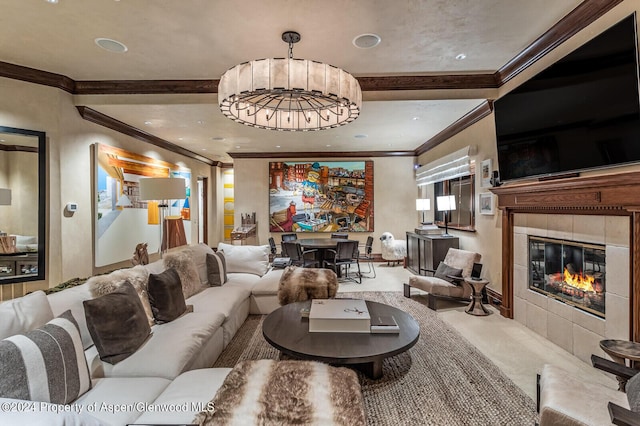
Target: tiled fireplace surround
572	329
602	209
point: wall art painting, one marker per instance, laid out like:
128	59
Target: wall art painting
123	220
321	196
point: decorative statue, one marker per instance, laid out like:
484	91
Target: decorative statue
393	250
140	255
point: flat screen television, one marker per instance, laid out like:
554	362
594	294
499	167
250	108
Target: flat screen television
580	113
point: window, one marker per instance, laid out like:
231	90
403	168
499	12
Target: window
463	188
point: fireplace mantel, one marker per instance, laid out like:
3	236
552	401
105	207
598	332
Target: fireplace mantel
611	194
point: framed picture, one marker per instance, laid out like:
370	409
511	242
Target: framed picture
486	203
321	196
485	173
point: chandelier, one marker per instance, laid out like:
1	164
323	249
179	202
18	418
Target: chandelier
289	94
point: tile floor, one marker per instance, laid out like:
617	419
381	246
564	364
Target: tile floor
518	351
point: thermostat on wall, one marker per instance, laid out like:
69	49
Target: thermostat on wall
72	207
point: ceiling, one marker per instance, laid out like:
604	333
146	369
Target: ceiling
201	39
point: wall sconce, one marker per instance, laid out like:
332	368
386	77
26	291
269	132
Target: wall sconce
445	204
422	205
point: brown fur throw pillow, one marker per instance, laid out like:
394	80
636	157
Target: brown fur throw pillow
138	276
299	284
186	268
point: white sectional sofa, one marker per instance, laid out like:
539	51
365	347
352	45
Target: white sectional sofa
172	367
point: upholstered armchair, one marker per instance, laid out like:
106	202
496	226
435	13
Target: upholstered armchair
569	401
447	281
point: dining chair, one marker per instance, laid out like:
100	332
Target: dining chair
339	236
273	247
345	254
298	256
367	256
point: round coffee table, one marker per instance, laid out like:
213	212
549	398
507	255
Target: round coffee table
286	330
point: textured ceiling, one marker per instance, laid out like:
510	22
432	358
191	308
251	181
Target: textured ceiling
200	39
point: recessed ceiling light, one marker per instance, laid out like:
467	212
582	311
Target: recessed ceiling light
366	41
148	123
328	145
180	139
461	56
360	136
237	146
52	1
277	146
415	118
111	45
200	122
204	149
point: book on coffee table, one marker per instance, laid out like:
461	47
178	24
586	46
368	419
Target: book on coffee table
339	316
384	324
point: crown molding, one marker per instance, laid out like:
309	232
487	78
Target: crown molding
575	21
472	117
326	154
120	127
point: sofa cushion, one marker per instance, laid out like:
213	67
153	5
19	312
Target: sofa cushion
18	412
166	296
137	276
445	272
46	364
186	268
268	284
117	323
24	314
121	400
216	269
72	298
247	259
224	300
170	350
193	390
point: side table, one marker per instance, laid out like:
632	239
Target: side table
620	351
476	307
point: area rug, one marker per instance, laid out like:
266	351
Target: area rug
442	380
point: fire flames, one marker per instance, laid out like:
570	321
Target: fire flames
583	282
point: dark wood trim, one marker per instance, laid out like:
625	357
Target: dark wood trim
21	148
145	87
611	194
428	82
113	124
578	19
331	154
226	165
472	117
32	75
495	298
634	296
506	308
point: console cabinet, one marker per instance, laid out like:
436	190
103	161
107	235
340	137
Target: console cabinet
425	252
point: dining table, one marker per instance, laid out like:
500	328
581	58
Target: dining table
322	245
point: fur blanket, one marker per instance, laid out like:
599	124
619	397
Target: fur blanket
300	284
269	392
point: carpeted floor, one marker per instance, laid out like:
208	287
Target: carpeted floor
442	380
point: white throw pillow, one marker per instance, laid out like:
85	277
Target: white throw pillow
246	259
24	314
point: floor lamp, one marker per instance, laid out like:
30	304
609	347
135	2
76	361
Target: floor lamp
162	190
446	203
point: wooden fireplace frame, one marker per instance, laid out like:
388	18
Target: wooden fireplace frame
611	195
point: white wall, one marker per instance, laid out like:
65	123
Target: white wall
395	194
69	176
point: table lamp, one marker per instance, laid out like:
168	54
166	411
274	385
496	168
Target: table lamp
422	205
162	190
445	204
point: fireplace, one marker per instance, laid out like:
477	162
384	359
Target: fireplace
569	271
